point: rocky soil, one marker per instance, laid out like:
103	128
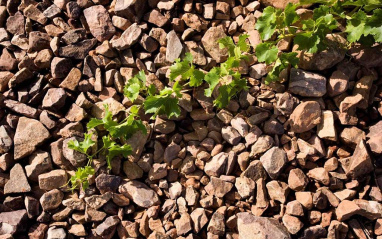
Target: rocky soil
297	159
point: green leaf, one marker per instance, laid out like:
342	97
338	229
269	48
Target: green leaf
187	71
135	85
283	62
80	178
242	43
83	146
227	42
307	41
356	26
266	52
290	14
374	25
266	24
212	78
164	103
107	121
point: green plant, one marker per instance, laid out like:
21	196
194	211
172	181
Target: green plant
310	34
116	132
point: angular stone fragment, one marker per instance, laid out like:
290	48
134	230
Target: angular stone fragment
338	83
375	138
274	161
363	87
183	225
174	48
326	129
307	84
217	165
278	191
54	99
77	50
51	199
53	179
29	134
360	163
71	80
60	67
245	186
218	187
297	180
99	22
20	77
39	162
199	219
253	227
13	222
231	135
254	171
18	182
211	46
128	38
140	193
305	116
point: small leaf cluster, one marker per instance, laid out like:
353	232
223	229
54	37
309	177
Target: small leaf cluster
116	132
310	34
225	79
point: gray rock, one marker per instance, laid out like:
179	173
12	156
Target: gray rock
56	233
274	161
174	48
306	84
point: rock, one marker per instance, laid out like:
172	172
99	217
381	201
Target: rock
320	175
132	170
21	108
51	199
38	41
60	67
54	99
368	57
274	161
211	46
278	191
107	183
158	171
39	162
255	171
199	219
183	225
218	187
375	137
352	136
231	135
363	87
305	116
176	48
306	84
77	50
128	38
77	230
263	143
252	227
338	83
6	141
141	195
175	190
217	225
20	77
337	230
360	163
75	158
99	22
245	187
324	59
56	233
297	180
171	152
5	76
13	222
164	126
326	129
293	224
71	80
53	179
107	228
217	165
276	3
18	182
15	24
156	18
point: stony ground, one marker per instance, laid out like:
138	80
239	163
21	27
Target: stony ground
298	159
